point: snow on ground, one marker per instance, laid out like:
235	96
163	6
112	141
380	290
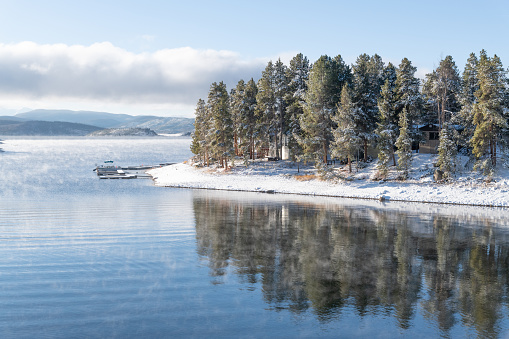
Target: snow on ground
285	177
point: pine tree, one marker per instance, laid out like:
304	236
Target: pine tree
447	151
470	85
346	139
408	95
442	90
385	150
297	75
237	109
236	103
387	128
366	83
219	138
489	116
271	104
341	75
319	107
247	126
390	73
470	82
404	145
198	143
280	93
265	108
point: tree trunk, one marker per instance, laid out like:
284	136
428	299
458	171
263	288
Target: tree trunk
235	143
439	116
349	164
251	148
365	150
325	153
276	139
280	150
494	152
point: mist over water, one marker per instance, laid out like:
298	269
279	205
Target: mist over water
83	257
44	166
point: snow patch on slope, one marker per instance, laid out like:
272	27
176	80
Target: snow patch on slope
283	177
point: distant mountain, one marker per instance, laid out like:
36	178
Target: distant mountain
123	132
168	125
100	119
12	118
45	128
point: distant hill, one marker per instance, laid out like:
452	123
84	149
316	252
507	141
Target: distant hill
123	132
99	119
12	118
169	125
45	128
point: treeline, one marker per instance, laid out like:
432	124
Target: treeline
331	109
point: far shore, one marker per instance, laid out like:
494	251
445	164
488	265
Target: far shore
466	189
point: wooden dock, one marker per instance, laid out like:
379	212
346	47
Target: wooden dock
125	172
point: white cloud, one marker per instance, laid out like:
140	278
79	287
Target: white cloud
103	74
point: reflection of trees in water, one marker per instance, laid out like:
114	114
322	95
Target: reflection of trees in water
327	257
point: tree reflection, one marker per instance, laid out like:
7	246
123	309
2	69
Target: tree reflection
325	258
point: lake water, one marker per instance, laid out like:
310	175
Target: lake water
83	257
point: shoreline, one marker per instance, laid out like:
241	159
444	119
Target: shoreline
338	196
273	178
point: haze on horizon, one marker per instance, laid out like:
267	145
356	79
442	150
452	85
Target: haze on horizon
159	58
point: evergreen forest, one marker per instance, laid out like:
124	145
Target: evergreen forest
331	110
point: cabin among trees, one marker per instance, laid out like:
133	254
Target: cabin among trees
314	112
430	139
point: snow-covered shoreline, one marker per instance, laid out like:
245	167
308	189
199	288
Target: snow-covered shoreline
280	177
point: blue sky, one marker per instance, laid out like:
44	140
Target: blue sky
159	57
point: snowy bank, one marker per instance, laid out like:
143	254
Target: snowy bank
284	177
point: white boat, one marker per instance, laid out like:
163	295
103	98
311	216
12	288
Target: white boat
108	168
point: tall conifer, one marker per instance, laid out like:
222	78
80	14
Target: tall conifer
220	132
319	107
297	75
236	106
346	136
404	145
266	104
271	108
469	85
447	151
409	97
489	113
367	80
198	143
387	128
281	91
248	120
442	89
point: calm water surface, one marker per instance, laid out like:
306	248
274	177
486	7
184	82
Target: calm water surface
83	257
